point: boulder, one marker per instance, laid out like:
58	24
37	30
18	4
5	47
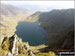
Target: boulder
13	44
26	46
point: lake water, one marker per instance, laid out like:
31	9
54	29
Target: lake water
32	33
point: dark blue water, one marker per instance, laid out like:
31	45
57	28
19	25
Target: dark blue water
32	33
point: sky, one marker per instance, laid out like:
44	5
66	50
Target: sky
41	5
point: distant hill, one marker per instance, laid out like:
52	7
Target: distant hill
60	27
12	11
33	17
7	9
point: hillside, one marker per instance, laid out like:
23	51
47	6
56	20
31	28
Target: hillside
60	27
33	17
10	10
10	43
9	18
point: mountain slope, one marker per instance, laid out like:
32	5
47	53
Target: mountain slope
10	10
60	27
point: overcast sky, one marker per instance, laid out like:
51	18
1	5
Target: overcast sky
42	5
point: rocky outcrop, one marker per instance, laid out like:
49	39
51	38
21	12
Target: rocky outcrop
13	44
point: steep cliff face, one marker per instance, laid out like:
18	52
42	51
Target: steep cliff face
60	27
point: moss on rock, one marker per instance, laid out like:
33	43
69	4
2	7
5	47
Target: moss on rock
5	46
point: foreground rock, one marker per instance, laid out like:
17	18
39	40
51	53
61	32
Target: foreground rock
15	45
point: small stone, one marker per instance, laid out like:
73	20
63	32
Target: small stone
31	53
